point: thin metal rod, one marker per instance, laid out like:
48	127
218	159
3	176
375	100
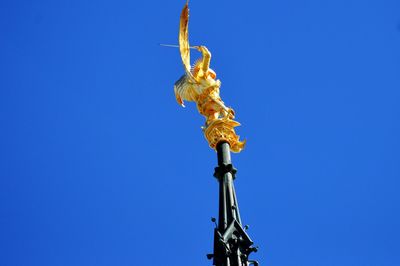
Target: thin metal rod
227	180
176	46
232	203
223	215
237	205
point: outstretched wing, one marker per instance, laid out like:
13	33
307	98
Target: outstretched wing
184	41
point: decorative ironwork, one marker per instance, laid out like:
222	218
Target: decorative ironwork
232	245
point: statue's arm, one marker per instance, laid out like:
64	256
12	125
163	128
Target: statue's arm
206	58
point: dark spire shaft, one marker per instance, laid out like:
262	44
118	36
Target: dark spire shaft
232	245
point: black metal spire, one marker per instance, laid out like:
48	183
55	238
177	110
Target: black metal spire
232	245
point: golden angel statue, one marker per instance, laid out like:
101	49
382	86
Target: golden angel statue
200	84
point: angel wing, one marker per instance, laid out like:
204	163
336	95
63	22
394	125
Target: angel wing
184	41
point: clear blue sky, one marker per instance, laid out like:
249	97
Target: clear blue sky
100	166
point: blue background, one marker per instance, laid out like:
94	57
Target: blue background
100	166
